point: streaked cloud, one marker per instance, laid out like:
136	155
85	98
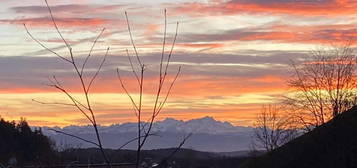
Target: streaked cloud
235	54
289	7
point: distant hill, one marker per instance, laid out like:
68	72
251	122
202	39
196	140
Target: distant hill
244	153
208	135
82	155
332	145
184	158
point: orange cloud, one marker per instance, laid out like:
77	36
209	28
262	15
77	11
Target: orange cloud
304	8
203	45
321	34
197	86
151	29
280	36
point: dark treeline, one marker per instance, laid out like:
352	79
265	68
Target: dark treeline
22	146
18	143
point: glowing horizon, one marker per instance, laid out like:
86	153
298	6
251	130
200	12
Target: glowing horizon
235	54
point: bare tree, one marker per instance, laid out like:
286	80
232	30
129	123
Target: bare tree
272	129
86	80
164	87
323	85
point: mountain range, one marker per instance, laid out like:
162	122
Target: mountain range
208	135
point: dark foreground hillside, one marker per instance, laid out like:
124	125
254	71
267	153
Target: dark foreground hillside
332	145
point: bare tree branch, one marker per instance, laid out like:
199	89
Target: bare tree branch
161	105
56	27
98	70
144	129
132	40
324	85
45	47
272	129
133	140
163	161
163	46
171	50
132	67
86	110
74	136
52	103
91	50
126	91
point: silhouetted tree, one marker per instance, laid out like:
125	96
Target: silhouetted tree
272	129
164	87
324	85
17	140
85	107
86	80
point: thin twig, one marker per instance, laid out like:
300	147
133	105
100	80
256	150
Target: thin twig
45	47
91	50
163	161
132	67
144	133
58	86
74	136
55	25
171	51
132	140
126	91
52	103
132	40
163	46
169	90
84	109
98	70
75	102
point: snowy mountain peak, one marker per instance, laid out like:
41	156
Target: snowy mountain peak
205	119
206	132
170	121
206	125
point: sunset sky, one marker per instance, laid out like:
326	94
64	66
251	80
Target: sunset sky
234	54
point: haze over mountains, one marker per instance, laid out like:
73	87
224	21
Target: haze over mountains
208	135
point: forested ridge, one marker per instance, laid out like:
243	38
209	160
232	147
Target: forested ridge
19	142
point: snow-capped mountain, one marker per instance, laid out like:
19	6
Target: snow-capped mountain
208	135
